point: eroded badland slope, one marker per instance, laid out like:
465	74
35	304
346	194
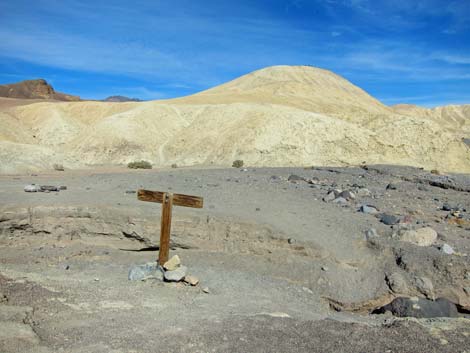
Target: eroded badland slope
278	116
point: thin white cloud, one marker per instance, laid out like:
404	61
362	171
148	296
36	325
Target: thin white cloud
456	59
193	48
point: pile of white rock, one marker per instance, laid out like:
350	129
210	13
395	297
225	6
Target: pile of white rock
171	271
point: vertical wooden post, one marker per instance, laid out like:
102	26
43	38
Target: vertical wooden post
165	228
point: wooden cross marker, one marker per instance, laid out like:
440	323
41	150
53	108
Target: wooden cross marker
168	199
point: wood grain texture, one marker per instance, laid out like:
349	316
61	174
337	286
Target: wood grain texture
165	229
178	199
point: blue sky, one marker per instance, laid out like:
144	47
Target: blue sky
399	51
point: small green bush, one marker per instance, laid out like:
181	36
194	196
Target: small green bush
237	163
174	165
139	165
58	167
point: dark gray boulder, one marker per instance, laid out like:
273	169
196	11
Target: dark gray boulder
388	219
419	308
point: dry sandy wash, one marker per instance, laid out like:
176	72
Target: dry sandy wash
278	116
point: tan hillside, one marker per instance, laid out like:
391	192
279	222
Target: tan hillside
278	116
455	117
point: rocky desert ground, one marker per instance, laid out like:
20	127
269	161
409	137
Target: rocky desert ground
288	259
346	230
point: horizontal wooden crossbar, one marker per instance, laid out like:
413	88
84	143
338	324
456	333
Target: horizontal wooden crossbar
178	199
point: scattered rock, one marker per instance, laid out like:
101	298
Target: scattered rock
446	207
142	272
453	208
371	234
3	298
295	178
424	285
49	188
176	275
330	197
419	308
348	195
389	219
172	264
391	186
340	200
397	283
447	249
369	209
422	188
335	191
363	192
62	187
291	240
32	188
206	290
324	268
130	191
421	237
313	181
191	280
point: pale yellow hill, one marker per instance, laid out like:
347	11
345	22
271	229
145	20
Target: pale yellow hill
302	87
454	117
279	116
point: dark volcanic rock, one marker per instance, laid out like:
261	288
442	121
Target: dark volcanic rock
49	188
419	307
388	219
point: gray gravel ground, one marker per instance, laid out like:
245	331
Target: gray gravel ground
285	270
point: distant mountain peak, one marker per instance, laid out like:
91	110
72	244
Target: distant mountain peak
121	99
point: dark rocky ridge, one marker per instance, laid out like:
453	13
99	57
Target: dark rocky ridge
121	99
34	89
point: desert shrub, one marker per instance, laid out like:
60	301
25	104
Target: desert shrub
139	165
58	167
237	163
174	165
